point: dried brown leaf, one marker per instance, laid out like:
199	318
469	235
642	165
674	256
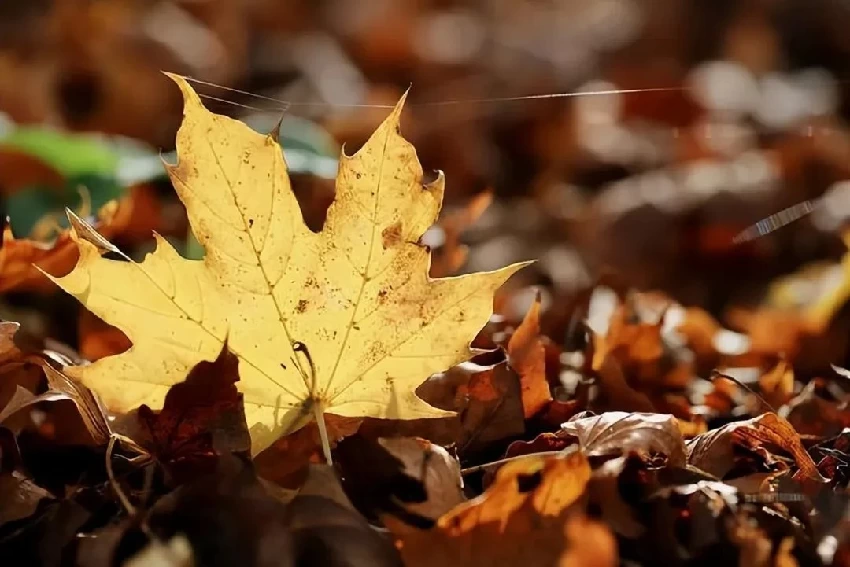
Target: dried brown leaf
617	433
714	452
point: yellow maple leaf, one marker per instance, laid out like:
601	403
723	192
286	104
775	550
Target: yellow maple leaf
345	320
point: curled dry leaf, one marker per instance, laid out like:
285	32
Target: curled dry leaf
714	452
23	398
527	516
616	433
431	465
21	260
344	321
8	348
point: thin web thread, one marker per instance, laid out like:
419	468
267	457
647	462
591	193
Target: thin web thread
285	104
761	228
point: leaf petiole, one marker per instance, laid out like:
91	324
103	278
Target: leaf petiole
319	413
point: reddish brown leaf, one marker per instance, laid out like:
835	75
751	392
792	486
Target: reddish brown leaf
201	418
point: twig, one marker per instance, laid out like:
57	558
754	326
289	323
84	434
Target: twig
128	506
132	511
494	464
764	404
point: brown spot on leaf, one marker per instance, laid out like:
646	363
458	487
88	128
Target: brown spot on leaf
302	305
391	235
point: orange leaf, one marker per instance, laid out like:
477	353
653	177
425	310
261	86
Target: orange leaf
527	356
528	516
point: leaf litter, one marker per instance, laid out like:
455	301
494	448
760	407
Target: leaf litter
368	413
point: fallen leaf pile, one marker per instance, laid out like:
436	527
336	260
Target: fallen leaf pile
332	397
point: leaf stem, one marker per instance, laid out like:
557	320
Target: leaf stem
319	413
110	474
487	466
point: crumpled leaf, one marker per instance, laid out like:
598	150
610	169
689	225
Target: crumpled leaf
345	321
526	517
714	451
377	481
619	432
431	465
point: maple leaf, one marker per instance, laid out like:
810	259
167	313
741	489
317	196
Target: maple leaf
345	320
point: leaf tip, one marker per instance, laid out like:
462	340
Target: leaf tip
190	97
395	116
